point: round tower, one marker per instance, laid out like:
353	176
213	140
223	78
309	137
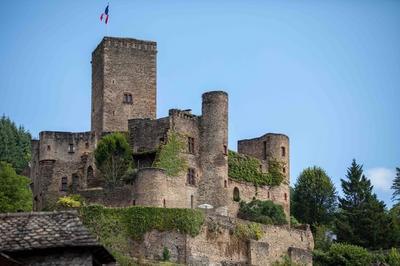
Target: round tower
214	150
276	148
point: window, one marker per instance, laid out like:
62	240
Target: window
268	194
48	147
285	195
283	151
191	176
71	148
127	98
284	170
164	203
265	150
75	183
191	145
133	202
64	183
191	201
225	150
236	194
87	145
225	184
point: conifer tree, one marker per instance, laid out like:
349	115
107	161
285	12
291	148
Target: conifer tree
362	219
396	186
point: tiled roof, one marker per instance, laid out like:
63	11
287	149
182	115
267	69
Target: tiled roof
41	230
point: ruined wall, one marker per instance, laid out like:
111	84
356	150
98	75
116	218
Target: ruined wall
213	146
58	155
218	245
122	66
268	147
116	197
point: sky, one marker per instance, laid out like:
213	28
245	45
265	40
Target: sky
325	73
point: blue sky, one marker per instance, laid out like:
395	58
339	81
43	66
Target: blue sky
326	73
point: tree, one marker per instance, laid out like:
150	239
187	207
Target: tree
396	186
314	197
15	194
113	157
362	219
15	144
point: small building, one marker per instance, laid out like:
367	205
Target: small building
49	238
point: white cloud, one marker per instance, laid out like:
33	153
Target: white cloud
381	177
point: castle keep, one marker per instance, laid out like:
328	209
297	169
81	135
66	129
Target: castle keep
124	100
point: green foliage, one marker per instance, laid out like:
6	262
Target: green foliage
396	186
117	226
265	212
113	157
293	221
393	258
170	155
166	255
321	237
15	144
394	226
362	219
71	201
247	231
314	197
15	194
246	168
343	255
285	261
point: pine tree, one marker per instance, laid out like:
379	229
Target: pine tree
362	219
396	186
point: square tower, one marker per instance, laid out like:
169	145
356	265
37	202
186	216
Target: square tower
123	83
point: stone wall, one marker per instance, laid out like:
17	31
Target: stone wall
248	192
76	258
122	66
218	245
117	197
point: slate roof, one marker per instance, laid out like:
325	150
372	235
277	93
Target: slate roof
42	230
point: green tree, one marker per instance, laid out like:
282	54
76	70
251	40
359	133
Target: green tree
396	186
362	219
15	144
15	194
340	254
314	197
113	157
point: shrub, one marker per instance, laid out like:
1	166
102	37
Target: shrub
169	156
166	255
248	231
343	254
246	168
72	201
393	258
285	261
265	212
293	221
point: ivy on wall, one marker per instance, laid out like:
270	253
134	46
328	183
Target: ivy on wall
246	168
170	155
117	226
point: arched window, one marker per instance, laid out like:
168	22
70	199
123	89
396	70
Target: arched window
225	184
236	194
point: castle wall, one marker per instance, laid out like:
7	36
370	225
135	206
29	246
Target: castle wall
124	80
213	150
218	245
59	155
248	192
116	197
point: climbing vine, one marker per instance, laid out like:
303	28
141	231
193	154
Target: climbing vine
170	155
246	168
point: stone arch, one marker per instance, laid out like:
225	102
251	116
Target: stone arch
236	194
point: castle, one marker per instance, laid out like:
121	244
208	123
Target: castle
124	100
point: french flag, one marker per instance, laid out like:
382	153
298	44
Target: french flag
105	14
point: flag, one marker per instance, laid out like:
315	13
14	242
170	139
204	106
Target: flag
104	15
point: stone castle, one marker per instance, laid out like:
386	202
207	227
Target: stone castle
124	100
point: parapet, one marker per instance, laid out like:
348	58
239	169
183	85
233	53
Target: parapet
182	113
127	43
265	136
60	135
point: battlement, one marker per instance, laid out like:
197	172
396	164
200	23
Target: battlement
127	43
60	135
265	136
187	114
